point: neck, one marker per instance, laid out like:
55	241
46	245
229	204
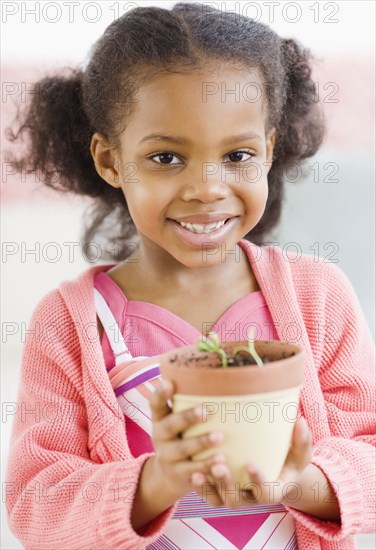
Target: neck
155	265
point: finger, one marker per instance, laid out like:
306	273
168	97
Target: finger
300	452
173	425
185	470
298	457
262	491
158	400
205	489
301	433
177	450
229	491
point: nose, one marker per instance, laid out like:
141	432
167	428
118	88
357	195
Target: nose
205	185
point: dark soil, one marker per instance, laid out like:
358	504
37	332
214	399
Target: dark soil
242	359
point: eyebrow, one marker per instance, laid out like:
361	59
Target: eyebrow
184	141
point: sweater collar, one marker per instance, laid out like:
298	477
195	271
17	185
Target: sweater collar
275	274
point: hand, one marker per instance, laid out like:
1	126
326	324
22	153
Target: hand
225	492
172	461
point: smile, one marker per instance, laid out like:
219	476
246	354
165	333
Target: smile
202	227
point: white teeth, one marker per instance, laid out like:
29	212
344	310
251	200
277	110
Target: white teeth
201	227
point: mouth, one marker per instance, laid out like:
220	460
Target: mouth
200	228
194	234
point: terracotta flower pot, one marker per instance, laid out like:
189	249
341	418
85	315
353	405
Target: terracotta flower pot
255	407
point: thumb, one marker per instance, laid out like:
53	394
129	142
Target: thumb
301	434
300	452
301	449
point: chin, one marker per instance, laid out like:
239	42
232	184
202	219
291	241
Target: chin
201	259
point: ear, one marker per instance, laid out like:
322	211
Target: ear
270	142
105	159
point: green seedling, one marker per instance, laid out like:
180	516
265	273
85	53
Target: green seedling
251	348
211	343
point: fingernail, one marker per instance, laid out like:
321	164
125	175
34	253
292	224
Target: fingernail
252	470
306	436
304	423
219	458
216	437
198	478
166	385
200	413
218	470
305	431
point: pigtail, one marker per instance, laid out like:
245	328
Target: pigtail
58	134
300	130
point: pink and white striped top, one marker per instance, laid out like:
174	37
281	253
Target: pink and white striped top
133	330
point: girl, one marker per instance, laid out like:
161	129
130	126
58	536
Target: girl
181	128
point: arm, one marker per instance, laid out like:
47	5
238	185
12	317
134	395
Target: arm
166	476
67	485
332	492
344	353
317	497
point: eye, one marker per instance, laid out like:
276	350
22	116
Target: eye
165	157
237	156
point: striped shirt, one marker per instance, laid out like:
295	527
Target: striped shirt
133	330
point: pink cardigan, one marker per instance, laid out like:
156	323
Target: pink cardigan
71	477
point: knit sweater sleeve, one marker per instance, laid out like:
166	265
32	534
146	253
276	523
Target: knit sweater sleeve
60	494
344	354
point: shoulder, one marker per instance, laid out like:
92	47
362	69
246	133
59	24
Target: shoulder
50	309
65	309
328	302
333	317
320	286
317	278
317	271
304	271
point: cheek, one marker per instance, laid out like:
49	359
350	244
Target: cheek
253	183
146	206
254	174
150	192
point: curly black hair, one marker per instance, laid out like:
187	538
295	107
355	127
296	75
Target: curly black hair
69	108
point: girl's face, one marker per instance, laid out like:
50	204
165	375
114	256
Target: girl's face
193	163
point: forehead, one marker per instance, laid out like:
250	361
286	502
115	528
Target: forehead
222	96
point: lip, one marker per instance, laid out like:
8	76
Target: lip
198	240
205	217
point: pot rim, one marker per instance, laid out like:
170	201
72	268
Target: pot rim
234	380
185	350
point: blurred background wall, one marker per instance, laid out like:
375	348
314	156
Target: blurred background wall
329	213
